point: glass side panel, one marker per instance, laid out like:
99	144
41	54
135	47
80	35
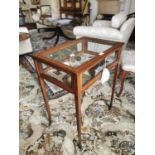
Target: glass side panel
71	56
59	75
64	77
98	68
75	55
97	47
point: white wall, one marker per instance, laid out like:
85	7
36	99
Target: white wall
127	6
109	6
132	8
94	10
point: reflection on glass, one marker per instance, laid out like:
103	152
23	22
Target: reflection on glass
72	59
92	72
58	75
76	55
98	48
71	56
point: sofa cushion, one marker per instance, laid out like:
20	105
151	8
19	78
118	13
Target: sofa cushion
102	23
118	20
99	32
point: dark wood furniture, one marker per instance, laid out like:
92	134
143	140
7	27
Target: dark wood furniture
75	9
53	26
30	24
71	8
123	74
126	68
57	29
74	59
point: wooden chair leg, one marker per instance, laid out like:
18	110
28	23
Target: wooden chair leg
123	76
119	72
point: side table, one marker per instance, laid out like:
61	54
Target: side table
74	59
57	28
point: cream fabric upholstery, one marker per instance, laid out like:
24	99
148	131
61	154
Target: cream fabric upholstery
104	30
118	20
25	46
126	29
128	60
102	23
98	32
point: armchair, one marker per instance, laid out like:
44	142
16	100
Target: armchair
127	66
118	29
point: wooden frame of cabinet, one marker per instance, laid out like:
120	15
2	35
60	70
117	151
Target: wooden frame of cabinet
69	8
77	88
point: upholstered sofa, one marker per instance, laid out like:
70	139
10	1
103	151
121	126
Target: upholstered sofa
118	29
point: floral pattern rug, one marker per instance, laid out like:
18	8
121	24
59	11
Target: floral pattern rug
104	132
39	44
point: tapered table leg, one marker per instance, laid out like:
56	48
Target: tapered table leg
65	36
57	39
114	85
78	85
43	88
123	75
58	32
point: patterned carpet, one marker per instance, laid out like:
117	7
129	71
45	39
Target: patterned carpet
104	132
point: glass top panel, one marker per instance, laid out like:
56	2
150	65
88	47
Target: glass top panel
71	56
74	56
97	47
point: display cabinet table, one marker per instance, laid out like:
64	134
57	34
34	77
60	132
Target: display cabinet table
74	66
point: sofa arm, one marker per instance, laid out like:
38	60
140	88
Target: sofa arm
127	28
25	46
102	23
105	33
